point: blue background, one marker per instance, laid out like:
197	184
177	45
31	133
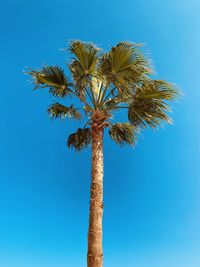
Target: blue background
152	192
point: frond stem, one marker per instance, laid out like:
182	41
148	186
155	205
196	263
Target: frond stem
111	108
99	94
90	97
108	95
93	97
71	91
104	92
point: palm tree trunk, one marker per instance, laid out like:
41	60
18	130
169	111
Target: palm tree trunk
95	252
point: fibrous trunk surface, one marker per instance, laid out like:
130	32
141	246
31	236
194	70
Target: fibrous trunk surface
95	252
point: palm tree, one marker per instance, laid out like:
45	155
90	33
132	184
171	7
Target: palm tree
103	83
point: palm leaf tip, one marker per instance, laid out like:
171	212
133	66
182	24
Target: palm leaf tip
159	89
52	77
123	133
80	139
57	110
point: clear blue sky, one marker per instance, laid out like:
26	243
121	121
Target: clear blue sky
152	192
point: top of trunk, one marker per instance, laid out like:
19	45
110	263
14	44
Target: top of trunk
99	119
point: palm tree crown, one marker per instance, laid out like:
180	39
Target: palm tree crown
104	83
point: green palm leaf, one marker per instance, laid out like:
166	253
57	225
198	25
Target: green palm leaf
85	54
80	139
158	89
52	77
123	133
124	66
84	62
57	110
150	112
149	105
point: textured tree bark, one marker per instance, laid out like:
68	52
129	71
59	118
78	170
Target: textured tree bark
95	251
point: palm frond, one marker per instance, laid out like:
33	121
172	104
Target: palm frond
80	78
84	62
145	112
123	133
85	54
52	77
57	110
158	89
124	66
149	106
80	139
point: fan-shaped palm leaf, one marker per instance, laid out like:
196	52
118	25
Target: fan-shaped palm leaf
124	66
80	139
149	106
150	112
57	110
85	55
84	62
52	77
123	133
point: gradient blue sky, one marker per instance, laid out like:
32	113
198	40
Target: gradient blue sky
152	192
